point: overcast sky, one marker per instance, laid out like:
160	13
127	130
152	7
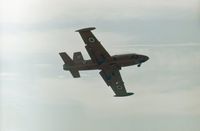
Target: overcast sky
37	95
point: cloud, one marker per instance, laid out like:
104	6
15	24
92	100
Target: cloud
34	11
38	95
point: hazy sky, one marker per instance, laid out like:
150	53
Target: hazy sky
37	95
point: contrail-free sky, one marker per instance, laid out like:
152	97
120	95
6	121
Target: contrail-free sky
37	95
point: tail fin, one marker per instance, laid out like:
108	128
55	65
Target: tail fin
68	61
78	58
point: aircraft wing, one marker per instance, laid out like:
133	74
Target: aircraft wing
94	48
112	77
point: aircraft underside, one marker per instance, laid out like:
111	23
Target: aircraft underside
109	66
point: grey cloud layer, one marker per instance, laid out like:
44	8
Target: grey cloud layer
38	95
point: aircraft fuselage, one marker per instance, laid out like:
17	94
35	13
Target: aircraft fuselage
118	60
108	65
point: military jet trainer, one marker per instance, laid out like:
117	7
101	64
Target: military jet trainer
108	65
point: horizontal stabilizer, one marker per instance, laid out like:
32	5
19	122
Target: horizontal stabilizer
66	58
74	72
69	62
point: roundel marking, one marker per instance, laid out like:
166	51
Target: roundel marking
91	39
119	87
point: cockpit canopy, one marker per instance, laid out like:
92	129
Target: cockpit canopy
134	56
126	56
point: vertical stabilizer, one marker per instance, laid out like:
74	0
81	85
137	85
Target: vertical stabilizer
78	58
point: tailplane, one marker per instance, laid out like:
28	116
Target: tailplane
67	60
69	65
75	73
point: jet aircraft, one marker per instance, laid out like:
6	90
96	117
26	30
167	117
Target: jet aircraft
108	65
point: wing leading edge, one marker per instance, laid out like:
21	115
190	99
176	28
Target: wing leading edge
99	55
94	48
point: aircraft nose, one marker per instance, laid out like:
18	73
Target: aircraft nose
145	58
